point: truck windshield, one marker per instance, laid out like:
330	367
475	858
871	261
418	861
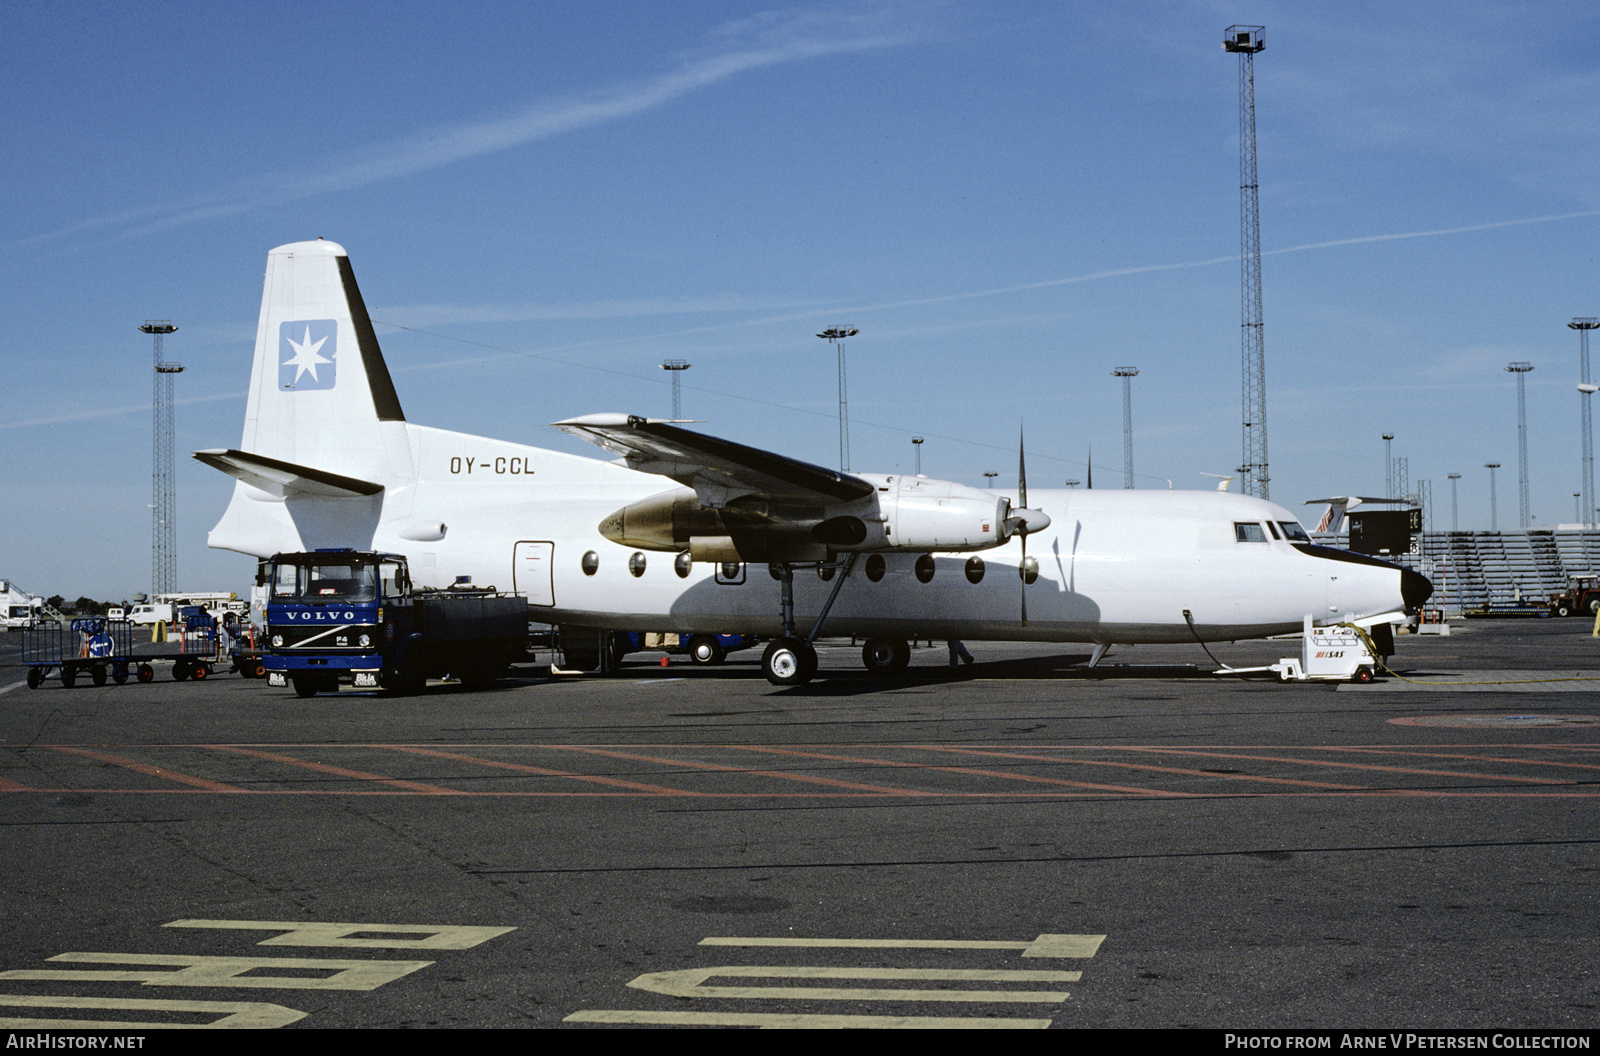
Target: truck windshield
325	580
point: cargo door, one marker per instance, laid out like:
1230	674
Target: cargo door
533	572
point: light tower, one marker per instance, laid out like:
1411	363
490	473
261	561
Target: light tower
676	367
1388	466
1583	324
835	336
916	445
1494	503
1127	374
1245	41
1520	369
163	501
1455	510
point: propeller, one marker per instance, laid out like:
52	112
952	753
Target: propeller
1021	521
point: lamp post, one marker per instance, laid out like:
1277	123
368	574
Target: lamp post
991	474
1388	467
835	336
916	445
1455	520
1127	374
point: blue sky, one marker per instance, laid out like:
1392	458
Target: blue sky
544	201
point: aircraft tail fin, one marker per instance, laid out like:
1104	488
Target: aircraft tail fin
320	392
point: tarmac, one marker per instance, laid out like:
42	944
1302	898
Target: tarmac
1015	844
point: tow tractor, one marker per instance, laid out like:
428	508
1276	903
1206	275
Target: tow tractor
353	617
1327	654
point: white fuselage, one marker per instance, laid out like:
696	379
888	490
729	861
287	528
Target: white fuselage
1114	566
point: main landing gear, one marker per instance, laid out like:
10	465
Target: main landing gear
791	660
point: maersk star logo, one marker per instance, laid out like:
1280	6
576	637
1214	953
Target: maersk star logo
307	353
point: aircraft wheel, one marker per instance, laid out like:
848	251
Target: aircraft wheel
1363	674
706	650
97	674
35	677
145	673
304	686
885	656
789	662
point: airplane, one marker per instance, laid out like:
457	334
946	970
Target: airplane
698	535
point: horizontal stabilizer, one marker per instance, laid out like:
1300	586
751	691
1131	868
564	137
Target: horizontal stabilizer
286	480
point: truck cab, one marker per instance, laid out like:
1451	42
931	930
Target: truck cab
353	617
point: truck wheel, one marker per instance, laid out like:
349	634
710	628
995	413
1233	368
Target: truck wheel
1363	674
304	686
35	677
119	673
706	650
69	675
1594	606
201	671
255	669
180	670
98	674
146	673
1563	609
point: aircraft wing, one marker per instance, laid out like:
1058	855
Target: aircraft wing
285	479
719	471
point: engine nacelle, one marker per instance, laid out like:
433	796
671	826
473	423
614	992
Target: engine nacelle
920	513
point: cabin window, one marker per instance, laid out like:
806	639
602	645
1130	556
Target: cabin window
925	568
636	564
682	565
875	567
974	569
591	563
1249	532
1293	532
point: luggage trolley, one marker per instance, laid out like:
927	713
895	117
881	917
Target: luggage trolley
95	646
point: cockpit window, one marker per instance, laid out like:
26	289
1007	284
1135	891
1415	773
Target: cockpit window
1293	532
1249	532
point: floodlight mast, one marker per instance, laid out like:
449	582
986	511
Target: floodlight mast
835	336
1245	41
1127	374
164	500
1520	369
676	367
1583	324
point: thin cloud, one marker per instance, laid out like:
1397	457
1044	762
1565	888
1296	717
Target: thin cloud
737	48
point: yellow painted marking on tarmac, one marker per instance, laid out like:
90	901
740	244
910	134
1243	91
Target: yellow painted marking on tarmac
145	768
691	982
636	786
792	1021
234	1014
331	933
1082	946
340	771
226	971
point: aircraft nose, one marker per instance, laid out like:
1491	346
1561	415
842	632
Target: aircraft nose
1414	589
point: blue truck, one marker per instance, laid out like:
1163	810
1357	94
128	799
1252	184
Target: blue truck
353	617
